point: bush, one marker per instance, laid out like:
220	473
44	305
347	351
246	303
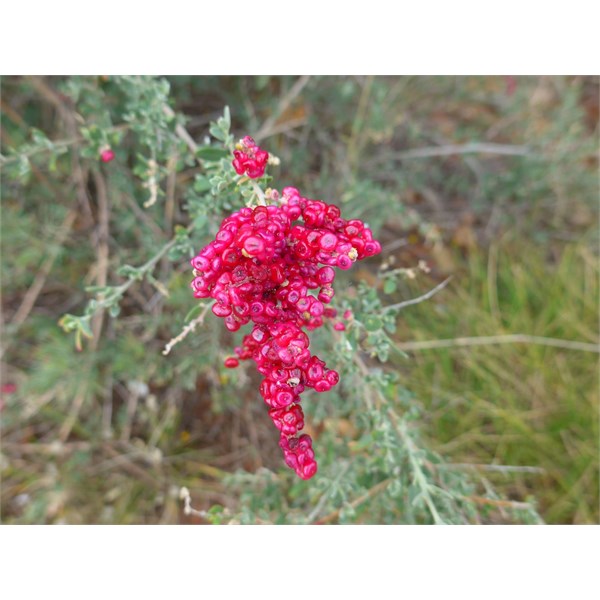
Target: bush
125	413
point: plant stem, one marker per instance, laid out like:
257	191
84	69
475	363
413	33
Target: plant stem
418	475
517	338
260	195
429	294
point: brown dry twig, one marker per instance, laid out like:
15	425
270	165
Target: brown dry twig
191	326
36	287
268	125
426	296
181	131
455	149
499	503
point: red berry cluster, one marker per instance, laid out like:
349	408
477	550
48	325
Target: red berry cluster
249	158
261	267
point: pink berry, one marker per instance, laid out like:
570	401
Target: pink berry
249	158
344	262
265	266
107	155
325	275
328	241
8	388
322	386
254	245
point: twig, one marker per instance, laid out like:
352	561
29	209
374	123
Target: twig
33	404
143	216
53	448
471	148
496	468
6	160
130	467
284	127
184	494
260	195
517	338
171	189
151	184
418	475
69	422
354	144
264	131
103	249
191	326
429	294
376	489
499	503
181	131
132	402
53	97
40	278
145	268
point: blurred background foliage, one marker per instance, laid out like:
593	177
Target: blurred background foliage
441	416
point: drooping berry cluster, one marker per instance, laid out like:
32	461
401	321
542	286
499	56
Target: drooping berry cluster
249	158
274	265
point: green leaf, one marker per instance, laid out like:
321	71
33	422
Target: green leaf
52	163
227	118
373	323
129	271
217	132
390	286
24	168
395	488
68	322
85	327
220	129
39	137
199	222
201	184
211	153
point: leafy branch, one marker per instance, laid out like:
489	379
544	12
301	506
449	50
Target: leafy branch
108	297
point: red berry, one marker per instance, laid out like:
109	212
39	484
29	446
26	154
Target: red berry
254	245
107	155
344	262
262	268
249	158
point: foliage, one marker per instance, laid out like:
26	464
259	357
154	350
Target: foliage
106	428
